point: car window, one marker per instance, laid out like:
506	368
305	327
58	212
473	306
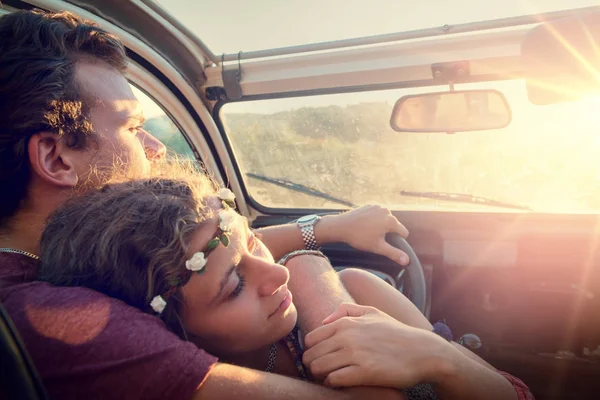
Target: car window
334	151
161	126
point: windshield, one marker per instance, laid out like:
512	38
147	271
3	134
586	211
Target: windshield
546	160
229	26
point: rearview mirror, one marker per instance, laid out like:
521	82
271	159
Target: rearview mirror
561	59
460	111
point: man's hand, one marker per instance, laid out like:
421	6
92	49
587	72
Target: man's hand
360	345
364	229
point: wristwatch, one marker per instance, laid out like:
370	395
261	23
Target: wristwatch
307	228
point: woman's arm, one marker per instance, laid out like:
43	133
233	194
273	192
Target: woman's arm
363	346
369	290
363	228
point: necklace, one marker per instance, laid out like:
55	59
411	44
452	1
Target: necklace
22	252
272	358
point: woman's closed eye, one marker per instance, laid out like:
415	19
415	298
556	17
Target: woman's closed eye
239	287
252	247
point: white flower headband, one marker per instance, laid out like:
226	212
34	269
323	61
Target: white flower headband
199	259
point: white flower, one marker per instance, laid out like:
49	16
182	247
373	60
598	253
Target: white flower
226	218
158	304
197	262
226	194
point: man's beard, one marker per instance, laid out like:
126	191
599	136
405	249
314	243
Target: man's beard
171	167
103	170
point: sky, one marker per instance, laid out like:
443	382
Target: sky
229	26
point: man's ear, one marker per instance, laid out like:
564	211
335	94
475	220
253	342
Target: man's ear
51	159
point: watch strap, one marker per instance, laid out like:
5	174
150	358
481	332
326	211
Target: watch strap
308	236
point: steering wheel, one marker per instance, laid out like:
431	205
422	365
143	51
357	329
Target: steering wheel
416	277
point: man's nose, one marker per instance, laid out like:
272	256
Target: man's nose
154	148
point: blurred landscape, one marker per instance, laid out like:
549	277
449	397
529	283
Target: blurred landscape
542	161
352	153
162	128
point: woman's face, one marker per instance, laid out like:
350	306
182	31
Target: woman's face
240	302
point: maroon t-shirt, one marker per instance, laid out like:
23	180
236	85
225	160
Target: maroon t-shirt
86	345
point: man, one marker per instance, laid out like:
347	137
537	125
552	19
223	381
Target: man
67	116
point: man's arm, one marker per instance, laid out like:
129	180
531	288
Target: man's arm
283	239
317	290
363	228
470	380
232	382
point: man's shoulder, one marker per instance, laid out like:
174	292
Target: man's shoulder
113	350
41	303
75	316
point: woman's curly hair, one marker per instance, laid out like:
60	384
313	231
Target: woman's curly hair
128	240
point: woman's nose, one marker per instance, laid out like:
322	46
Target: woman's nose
270	277
154	148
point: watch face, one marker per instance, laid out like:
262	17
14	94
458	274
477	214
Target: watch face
307	219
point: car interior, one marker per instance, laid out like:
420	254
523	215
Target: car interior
481	137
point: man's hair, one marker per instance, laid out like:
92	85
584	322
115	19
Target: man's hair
129	240
38	90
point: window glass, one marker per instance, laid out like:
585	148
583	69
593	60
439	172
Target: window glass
330	151
161	126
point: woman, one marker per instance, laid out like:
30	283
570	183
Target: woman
177	248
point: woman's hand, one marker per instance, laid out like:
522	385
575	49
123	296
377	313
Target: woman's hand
362	346
364	229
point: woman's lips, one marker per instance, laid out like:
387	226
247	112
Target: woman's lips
284	305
